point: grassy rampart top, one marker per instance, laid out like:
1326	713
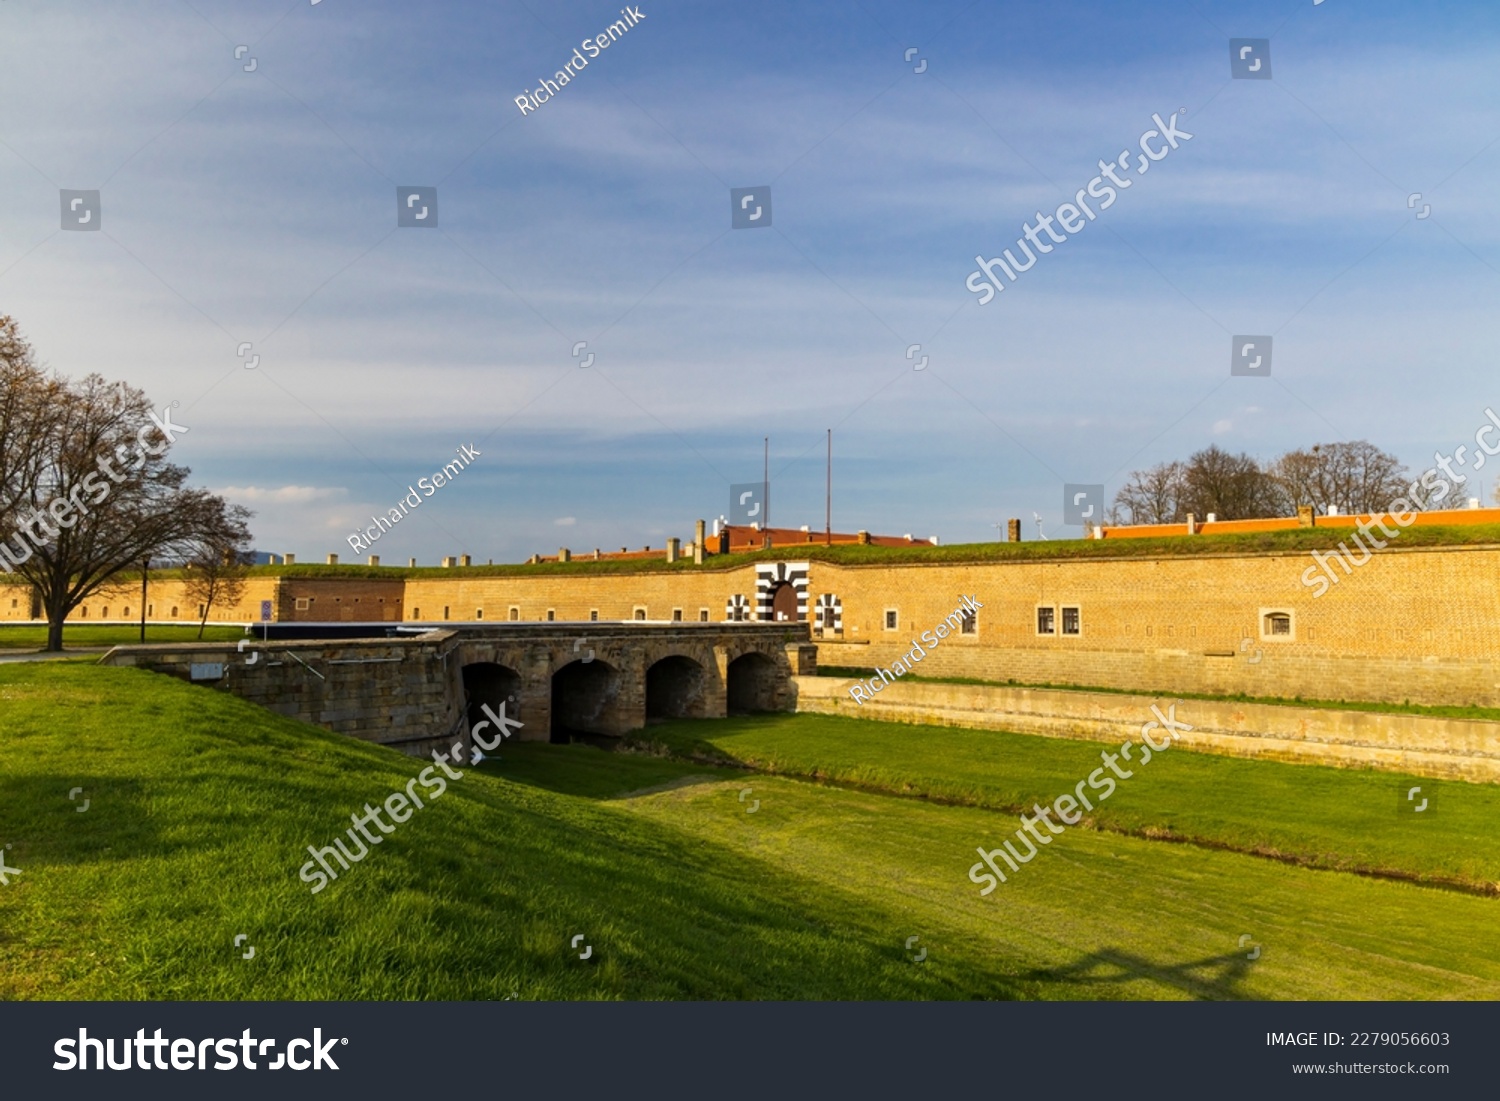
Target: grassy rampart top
1289	542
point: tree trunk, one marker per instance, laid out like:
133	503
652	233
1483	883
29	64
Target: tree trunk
54	632
208	602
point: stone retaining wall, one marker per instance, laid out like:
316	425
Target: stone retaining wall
1460	749
403	693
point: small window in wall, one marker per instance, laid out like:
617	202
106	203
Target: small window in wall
968	624
174	611
416	613
445	611
104	612
702	615
1071	623
15	603
1276	625
892	619
303	603
676	615
478	613
126	612
200	611
150	609
551	614
640	613
515	614
1046	620
84	612
594	616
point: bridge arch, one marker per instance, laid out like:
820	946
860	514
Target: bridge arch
586	700
753	683
675	688
490	683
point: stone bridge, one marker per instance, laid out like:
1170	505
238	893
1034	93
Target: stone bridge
563	681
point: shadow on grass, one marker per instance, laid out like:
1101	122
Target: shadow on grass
1213	977
46	823
591	773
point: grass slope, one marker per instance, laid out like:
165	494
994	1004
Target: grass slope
1324	817
1286	541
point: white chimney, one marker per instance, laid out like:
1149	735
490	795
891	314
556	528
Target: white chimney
1212	518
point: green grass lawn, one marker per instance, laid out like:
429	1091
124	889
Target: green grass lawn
201	808
34	637
1323	817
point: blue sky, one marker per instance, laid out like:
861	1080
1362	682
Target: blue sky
260	206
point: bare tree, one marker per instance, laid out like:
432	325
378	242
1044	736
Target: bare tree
218	572
91	493
1232	487
29	411
1352	477
1151	496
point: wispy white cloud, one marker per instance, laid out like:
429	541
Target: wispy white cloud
282	494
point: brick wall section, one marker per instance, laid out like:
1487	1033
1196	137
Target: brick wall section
1416	625
329	600
340	600
403	693
573	596
1445	748
123	602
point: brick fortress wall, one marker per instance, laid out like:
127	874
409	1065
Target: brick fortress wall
1416	624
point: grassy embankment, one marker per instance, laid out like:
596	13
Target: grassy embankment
201	808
